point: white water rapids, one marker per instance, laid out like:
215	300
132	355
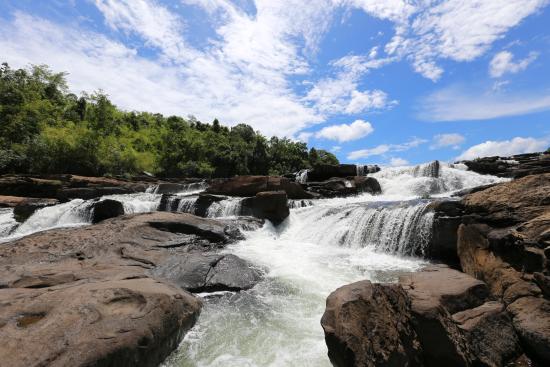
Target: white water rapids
321	246
316	250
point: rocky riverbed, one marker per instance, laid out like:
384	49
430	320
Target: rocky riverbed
115	272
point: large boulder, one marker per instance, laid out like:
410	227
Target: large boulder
96	295
489	332
369	324
114	322
436	293
271	205
106	209
251	185
323	172
210	273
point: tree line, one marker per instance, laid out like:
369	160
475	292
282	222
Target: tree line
44	128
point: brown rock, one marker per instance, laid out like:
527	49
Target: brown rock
490	333
368	324
92	295
271	205
106	209
251	185
436	293
531	318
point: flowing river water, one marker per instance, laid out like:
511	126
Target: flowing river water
321	246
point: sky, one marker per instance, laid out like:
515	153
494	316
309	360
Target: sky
390	82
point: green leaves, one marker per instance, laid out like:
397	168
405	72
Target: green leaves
46	129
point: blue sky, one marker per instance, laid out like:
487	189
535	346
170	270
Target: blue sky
374	81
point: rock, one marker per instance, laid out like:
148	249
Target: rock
464	192
341	187
367	184
29	187
512	202
369	324
209	273
106	209
436	293
11	201
543	281
484	327
251	185
443	241
87	193
363	170
531	318
95	296
271	205
25	208
324	172
516	166
204	201
111	323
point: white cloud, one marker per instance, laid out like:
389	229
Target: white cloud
385	148
155	24
503	63
342	133
304	136
396	162
455	29
505	148
213	84
454	104
447	140
336	149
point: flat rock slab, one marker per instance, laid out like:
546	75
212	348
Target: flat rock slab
91	296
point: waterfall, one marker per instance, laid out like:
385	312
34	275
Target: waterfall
137	203
396	227
7	222
430	179
297	204
226	208
188	189
73	213
301	177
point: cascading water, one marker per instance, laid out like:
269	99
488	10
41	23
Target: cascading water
226	208
323	245
316	250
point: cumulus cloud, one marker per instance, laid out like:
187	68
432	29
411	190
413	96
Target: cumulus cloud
336	149
396	162
454	104
447	140
504	148
503	63
346	132
385	148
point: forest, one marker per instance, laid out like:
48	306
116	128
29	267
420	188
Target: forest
45	128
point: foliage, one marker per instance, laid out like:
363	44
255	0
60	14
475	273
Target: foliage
46	129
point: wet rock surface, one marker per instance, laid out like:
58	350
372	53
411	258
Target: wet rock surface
97	295
271	205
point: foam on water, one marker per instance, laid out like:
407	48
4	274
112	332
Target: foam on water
316	250
277	322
